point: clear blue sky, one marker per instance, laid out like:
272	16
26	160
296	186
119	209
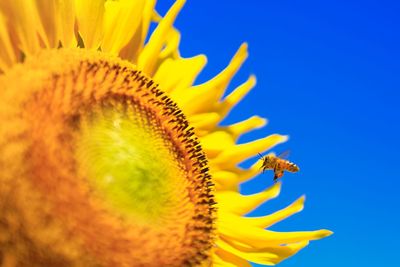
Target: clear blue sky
329	76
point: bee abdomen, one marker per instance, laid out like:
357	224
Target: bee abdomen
291	167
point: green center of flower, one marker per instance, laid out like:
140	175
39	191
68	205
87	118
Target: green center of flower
131	168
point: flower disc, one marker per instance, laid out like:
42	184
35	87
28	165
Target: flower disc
99	168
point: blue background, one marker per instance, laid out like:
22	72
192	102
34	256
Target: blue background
328	75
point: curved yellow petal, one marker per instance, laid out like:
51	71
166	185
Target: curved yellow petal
58	20
226	180
133	48
121	20
245	126
66	23
175	75
27	26
216	142
223	258
148	58
204	123
236	175
249	173
90	17
205	97
236	95
239	204
171	48
233	228
7	54
239	153
230	178
268	220
48	20
268	255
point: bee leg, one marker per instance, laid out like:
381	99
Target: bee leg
277	174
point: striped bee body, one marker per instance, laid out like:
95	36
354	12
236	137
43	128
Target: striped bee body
278	165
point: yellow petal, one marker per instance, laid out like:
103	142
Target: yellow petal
239	204
121	20
268	220
7	54
216	142
179	74
48	13
232	227
205	97
171	48
133	48
66	23
225	180
268	255
236	154
230	178
205	122
90	16
58	20
222	258
233	98
242	175
245	126
148	58
26	24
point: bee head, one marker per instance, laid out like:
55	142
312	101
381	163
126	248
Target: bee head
268	159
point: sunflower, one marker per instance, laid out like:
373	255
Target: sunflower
111	156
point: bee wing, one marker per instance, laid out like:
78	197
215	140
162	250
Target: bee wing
284	154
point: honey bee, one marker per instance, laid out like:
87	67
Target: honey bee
279	164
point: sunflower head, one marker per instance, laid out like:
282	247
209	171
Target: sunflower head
110	156
107	158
